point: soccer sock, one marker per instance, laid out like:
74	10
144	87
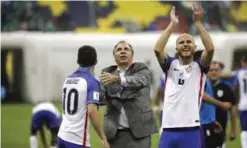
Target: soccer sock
244	139
33	142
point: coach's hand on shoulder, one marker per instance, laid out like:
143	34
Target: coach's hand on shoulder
197	11
173	17
108	78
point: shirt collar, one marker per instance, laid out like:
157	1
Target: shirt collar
122	70
83	70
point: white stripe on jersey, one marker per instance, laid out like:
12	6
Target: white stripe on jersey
242	81
183	93
46	106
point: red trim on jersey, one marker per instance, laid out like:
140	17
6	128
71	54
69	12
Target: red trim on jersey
85	132
200	90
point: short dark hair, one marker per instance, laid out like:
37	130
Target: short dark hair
222	66
122	41
87	56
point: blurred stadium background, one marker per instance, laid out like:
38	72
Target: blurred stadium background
39	40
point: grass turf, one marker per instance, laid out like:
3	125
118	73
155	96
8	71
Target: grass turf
15	120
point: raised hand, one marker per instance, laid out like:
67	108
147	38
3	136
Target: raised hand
197	11
173	16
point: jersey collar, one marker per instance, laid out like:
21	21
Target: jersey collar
83	70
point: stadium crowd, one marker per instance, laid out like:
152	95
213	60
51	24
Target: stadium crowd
111	16
194	95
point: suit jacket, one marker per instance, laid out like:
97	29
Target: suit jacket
134	98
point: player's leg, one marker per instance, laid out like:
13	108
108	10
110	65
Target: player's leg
53	123
167	139
243	122
54	132
33	138
191	138
35	126
210	136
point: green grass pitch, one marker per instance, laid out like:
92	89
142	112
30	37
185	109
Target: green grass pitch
15	121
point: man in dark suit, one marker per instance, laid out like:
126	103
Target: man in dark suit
129	121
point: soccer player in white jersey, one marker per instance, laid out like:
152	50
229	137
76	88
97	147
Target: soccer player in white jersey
44	114
80	100
241	79
185	81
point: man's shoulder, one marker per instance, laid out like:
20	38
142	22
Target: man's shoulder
136	65
110	68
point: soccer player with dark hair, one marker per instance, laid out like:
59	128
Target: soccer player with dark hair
80	103
185	79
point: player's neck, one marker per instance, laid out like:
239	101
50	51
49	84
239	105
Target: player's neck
91	70
185	61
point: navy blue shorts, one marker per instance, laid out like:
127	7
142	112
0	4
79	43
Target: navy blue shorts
182	138
243	120
64	144
45	118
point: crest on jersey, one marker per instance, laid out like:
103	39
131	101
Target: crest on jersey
220	93
188	69
96	95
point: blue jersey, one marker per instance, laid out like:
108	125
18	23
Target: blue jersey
79	90
207	111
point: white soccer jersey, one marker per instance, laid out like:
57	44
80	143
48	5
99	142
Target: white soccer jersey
46	106
184	88
241	77
79	89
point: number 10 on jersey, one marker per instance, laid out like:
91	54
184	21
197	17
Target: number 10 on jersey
70	101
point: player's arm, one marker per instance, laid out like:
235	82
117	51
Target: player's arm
92	110
159	47
224	105
93	95
233	119
208	53
43	139
230	96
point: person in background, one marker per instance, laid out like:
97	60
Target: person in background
44	114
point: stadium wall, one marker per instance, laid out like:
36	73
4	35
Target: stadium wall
50	57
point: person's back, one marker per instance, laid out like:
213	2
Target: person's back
44	114
79	100
79	89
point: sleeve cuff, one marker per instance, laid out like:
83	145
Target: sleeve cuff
93	102
123	81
